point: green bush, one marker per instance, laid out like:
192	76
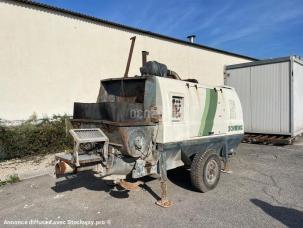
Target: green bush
34	137
12	179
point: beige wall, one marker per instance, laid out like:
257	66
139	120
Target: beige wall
49	60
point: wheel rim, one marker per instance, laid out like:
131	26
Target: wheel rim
211	172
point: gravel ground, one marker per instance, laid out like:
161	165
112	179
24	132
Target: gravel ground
265	190
27	167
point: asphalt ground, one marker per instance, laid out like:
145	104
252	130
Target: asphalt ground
264	190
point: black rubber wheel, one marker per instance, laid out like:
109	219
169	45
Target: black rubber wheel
205	170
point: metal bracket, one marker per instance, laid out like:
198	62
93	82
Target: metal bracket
139	169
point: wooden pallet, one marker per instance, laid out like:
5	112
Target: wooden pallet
268	139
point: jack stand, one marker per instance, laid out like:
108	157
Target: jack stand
130	186
163	202
227	168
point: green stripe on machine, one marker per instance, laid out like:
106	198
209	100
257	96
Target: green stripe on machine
207	121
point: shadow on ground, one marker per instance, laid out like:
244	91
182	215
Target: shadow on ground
89	181
179	177
288	216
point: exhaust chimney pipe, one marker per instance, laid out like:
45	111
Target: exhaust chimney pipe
191	38
133	39
144	57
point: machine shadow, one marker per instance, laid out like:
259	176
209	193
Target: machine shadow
90	182
181	177
288	216
145	187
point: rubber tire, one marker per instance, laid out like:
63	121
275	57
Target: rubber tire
198	168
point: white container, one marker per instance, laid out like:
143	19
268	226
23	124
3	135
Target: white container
271	93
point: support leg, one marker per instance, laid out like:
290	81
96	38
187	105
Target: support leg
227	168
226	161
163	202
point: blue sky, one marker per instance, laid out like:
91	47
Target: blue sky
259	28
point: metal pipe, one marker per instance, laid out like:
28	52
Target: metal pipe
144	57
133	39
191	38
173	74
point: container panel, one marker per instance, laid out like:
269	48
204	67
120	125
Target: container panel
297	97
270	98
285	97
240	80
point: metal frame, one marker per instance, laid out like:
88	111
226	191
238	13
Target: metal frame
299	61
258	63
291	96
79	140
